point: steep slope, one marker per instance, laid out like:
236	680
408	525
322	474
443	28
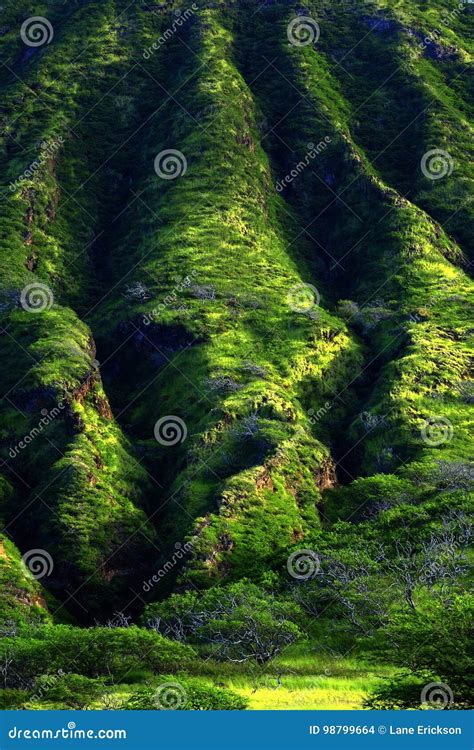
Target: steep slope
235	307
229	343
22	599
78	488
408	83
410	303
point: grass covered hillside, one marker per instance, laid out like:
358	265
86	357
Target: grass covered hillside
236	334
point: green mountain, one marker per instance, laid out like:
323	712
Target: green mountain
236	336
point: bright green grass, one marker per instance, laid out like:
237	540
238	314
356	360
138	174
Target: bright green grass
311	682
306	682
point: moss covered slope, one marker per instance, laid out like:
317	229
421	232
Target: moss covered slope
252	281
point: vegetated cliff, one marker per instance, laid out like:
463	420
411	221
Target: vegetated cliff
244	236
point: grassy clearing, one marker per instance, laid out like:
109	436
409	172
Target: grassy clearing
295	681
311	683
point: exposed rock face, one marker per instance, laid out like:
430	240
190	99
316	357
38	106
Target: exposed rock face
326	476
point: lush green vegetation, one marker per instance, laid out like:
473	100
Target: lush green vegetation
236	336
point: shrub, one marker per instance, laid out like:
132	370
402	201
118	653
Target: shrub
185	695
239	622
91	652
12	698
69	690
412	691
443	649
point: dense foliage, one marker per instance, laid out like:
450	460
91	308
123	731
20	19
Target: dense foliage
237	398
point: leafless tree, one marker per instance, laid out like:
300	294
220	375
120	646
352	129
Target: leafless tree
235	626
440	561
8	629
455	475
355	585
119	620
137	291
6	663
110	702
249	640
